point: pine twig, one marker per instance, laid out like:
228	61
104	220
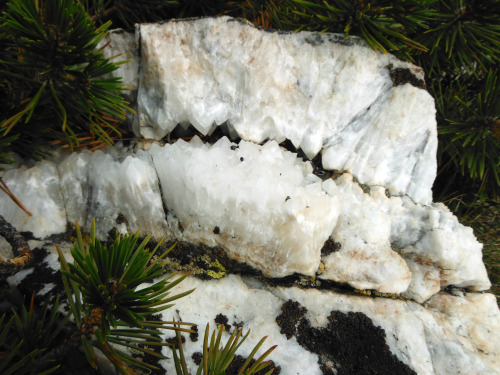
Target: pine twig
6	190
20	248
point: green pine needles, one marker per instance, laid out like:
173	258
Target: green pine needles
109	307
217	357
113	291
26	338
51	76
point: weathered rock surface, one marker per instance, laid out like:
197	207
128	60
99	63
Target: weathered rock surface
322	92
370	225
275	218
323	331
263	206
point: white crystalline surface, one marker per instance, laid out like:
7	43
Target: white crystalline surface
317	90
432	235
119	46
275	218
101	186
365	259
255	309
453	335
394	245
38	189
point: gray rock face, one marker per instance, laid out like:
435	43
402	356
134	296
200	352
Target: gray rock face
370	226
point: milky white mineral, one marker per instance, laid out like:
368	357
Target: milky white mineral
317	90
452	335
275	218
365	259
101	186
39	191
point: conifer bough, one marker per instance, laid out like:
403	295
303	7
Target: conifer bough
52	75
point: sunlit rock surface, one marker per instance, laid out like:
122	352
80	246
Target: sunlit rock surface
275	218
263	206
369	226
317	90
452	335
365	259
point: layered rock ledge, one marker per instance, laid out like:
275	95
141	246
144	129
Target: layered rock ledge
360	216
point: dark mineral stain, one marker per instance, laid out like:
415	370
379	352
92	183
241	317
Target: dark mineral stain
216	230
197	358
400	76
120	219
330	246
350	344
238	325
290	317
222	319
194	335
174	341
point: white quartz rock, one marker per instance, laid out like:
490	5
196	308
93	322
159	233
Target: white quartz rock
98	185
393	144
317	90
432	236
448	338
38	189
255	309
451	335
365	259
119	46
260	203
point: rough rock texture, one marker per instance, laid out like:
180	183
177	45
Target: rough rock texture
263	206
320	91
100	186
275	218
39	189
447	336
370	225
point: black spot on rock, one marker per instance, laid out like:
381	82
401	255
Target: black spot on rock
216	230
242	159
291	315
197	358
222	319
350	344
330	246
121	219
194	335
41	276
401	76
174	342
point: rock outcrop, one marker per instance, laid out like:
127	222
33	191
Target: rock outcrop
356	228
